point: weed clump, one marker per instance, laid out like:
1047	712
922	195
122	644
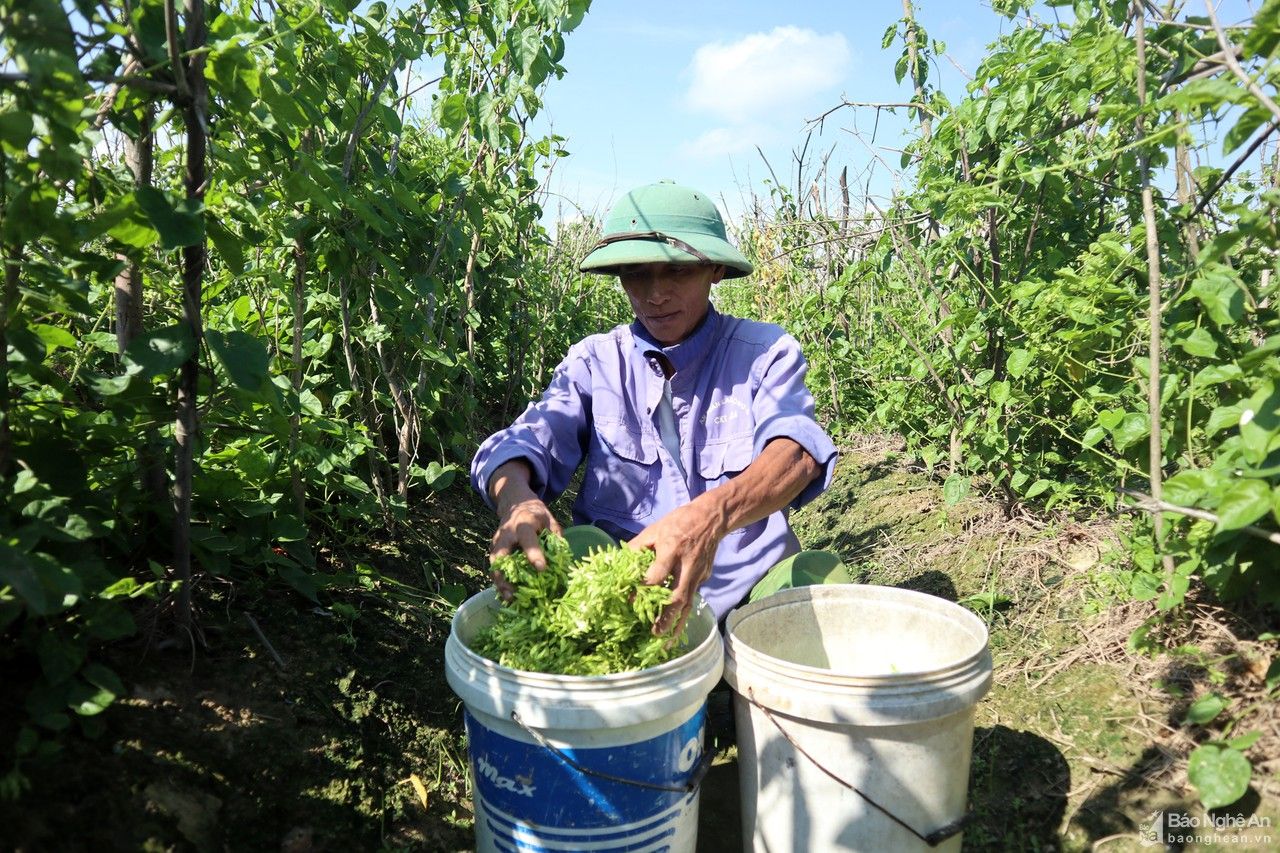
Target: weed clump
589	617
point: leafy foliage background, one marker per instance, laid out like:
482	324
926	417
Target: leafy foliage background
371	274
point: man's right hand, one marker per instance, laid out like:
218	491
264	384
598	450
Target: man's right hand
521	517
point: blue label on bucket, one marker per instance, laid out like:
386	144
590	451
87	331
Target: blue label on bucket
530	798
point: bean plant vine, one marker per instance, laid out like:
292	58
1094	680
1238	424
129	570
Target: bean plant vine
998	311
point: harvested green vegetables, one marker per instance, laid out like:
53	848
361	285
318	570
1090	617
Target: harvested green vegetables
590	617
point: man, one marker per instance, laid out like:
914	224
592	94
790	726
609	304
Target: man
696	428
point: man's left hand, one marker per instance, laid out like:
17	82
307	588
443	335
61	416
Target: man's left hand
685	540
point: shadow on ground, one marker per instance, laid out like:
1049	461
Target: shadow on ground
1018	784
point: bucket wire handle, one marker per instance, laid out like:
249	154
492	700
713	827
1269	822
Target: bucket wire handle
933	839
687	788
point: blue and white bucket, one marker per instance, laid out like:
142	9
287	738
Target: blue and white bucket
564	762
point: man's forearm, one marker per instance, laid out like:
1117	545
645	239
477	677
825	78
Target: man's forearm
776	477
509	485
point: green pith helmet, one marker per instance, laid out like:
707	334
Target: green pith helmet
664	223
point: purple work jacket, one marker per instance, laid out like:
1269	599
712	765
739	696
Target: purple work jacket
737	384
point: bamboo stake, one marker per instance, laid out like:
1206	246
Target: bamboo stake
1155	445
8	302
193	258
295	421
922	112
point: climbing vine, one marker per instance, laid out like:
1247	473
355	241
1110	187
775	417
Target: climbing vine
256	254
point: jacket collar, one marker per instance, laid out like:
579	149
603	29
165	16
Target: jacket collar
687	355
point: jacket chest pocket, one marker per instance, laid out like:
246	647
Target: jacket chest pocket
720	460
620	478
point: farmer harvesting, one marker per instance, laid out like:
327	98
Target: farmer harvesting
696	429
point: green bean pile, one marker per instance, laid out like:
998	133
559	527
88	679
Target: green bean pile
589	617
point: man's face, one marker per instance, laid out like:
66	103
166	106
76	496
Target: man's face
669	300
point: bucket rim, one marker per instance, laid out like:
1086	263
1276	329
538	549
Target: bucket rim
738	650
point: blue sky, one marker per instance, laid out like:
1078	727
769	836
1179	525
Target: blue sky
687	91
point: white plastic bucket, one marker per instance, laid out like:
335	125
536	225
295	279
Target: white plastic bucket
850	686
563	762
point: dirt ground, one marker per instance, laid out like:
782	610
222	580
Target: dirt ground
304	728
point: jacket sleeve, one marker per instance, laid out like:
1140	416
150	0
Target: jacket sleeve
783	408
550	436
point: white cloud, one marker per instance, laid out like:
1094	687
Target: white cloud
723	141
749	79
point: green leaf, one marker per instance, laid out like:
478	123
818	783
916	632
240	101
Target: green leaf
439	476
228	245
310	403
1133	428
254	463
487	120
1000	392
159	352
1252	119
17	573
453	112
88	700
1092	436
524	43
1223	417
54	337
1144	586
1260	422
16	127
101	677
954	488
1019	361
134	233
987	601
244	356
1261	353
1200	343
299	580
1038	487
59	657
1175	593
179	224
1206	708
1243	742
1109	419
1220	294
577	11
288	528
1216	374
1187	487
109	620
1220	775
887	38
1244	502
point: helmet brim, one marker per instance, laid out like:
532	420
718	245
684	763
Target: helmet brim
605	259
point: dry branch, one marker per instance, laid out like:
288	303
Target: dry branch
1229	57
1147	503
